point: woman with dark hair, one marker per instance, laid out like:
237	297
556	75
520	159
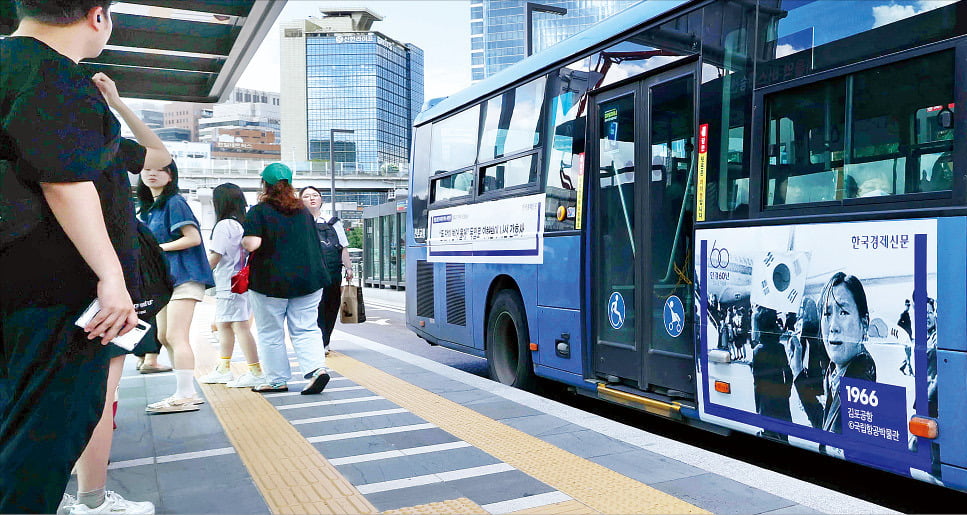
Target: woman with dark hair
175	227
232	311
335	256
844	323
287	277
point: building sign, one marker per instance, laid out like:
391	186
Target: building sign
501	231
354	38
702	166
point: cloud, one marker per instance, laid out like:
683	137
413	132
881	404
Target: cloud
887	14
784	49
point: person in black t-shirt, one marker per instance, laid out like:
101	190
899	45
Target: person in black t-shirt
57	129
286	281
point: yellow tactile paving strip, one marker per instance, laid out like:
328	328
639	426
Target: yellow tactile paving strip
289	472
596	487
451	507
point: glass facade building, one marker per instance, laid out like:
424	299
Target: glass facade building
497	29
368	83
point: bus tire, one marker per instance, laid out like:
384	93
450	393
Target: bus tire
508	342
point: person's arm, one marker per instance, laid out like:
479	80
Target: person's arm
157	155
251	243
77	208
190	237
348	263
213	258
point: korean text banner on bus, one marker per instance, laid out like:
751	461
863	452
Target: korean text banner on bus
501	231
830	330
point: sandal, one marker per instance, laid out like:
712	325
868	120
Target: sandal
153	369
271	388
140	363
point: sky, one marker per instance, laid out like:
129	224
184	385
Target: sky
440	27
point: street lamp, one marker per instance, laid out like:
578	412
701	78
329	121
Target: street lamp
332	165
529	10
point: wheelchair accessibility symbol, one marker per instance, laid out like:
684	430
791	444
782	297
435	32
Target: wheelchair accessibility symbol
616	310
674	316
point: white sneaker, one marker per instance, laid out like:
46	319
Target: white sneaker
114	503
66	503
246	380
216	377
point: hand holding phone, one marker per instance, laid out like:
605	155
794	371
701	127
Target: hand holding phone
126	341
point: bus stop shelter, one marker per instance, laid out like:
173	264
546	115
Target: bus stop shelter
177	50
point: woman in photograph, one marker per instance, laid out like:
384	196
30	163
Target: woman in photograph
232	311
844	322
173	224
286	282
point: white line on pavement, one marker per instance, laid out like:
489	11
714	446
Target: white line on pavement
349	416
370	432
429	479
327	390
412	451
523	503
329	403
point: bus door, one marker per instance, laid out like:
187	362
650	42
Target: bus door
642	234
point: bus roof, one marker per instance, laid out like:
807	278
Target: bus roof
572	46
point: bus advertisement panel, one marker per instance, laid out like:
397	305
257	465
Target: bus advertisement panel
824	332
509	230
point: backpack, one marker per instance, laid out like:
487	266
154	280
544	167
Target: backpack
331	249
156	282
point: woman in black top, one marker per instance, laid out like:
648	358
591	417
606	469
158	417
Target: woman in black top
287	277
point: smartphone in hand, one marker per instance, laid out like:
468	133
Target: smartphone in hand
126	341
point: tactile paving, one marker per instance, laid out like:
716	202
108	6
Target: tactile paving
451	507
289	472
594	486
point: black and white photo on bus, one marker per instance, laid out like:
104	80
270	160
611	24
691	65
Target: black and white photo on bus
820	326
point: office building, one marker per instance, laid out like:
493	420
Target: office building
339	73
246	126
185	115
497	29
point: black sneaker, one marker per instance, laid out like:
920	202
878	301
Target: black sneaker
317	384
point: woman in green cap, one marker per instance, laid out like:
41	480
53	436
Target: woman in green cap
286	279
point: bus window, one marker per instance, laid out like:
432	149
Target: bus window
888	143
512	121
452	186
516	172
793	31
804	144
566	122
420	181
454	141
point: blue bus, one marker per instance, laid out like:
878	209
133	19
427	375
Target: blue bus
746	215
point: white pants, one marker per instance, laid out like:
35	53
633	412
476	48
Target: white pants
299	314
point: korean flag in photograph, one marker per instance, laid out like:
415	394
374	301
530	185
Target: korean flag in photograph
779	279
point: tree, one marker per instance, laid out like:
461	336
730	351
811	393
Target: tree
356	238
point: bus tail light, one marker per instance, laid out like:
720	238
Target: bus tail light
923	426
533	346
723	387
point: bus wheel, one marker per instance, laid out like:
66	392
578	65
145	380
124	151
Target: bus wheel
508	338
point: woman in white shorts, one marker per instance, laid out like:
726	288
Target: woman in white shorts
232	310
173	224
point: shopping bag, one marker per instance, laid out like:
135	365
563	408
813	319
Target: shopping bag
352	310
